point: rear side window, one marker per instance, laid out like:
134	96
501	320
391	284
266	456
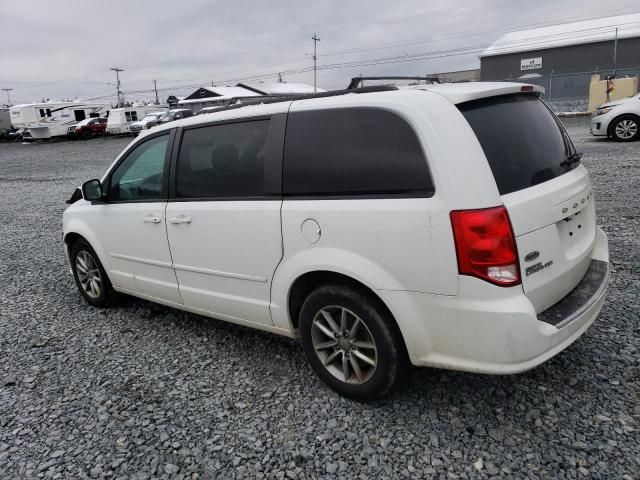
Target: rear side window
523	141
353	151
223	161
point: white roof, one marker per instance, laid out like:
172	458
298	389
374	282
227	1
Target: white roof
454	92
222	93
280	88
51	103
575	33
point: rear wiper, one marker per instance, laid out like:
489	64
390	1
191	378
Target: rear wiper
571	159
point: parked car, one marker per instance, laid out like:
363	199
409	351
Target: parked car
619	119
447	226
89	127
146	123
170	116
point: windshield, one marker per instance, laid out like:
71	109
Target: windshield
150	117
525	144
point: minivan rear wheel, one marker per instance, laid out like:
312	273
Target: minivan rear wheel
626	128
91	278
350	342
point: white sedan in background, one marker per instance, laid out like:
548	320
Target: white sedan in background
619	119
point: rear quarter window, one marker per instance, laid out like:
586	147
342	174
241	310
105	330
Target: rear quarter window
523	141
351	152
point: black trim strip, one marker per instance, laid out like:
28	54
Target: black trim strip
581	298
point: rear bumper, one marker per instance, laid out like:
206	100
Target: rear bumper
495	330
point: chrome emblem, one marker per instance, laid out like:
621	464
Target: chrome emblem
531	256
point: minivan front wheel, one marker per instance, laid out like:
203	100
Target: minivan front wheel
90	277
350	342
626	128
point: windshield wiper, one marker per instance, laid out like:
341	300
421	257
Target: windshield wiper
575	157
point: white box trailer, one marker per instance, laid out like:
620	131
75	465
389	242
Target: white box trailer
54	119
120	119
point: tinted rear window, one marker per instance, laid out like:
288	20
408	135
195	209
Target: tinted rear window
353	151
523	142
223	161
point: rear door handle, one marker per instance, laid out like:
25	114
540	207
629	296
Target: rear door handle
152	219
180	219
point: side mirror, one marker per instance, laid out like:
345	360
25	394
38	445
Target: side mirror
92	190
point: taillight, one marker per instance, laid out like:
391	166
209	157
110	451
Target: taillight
485	245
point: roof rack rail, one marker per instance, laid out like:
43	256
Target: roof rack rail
256	100
355	81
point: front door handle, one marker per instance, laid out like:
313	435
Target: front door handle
180	219
152	219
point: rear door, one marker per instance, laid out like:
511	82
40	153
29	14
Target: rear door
223	217
545	189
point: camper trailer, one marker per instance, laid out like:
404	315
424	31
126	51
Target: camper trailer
54	119
120	119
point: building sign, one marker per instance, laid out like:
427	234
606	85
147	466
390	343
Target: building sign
172	101
531	63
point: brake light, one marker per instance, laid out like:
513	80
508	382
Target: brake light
485	245
526	88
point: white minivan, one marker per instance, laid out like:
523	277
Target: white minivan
447	226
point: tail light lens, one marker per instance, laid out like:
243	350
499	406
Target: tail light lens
485	245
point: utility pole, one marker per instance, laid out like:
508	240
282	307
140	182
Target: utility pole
155	87
615	52
279	77
315	57
8	97
117	70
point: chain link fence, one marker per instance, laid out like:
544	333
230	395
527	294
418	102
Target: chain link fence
569	92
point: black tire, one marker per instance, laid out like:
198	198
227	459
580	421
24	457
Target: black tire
390	353
618	127
106	296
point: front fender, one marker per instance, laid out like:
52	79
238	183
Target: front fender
77	226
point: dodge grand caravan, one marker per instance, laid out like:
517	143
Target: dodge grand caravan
447	226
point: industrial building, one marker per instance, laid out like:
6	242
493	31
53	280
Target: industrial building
563	58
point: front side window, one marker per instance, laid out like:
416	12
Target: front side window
353	151
141	175
223	161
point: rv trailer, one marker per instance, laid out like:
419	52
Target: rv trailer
120	119
54	119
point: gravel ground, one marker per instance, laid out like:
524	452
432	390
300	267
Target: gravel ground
143	391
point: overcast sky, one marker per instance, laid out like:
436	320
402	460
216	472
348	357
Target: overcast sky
63	48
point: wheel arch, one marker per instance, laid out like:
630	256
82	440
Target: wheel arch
615	119
306	282
77	230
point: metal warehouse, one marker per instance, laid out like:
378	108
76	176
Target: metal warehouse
564	58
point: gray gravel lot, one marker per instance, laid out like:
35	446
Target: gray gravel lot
143	391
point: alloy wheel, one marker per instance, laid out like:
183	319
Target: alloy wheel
626	129
344	344
88	274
